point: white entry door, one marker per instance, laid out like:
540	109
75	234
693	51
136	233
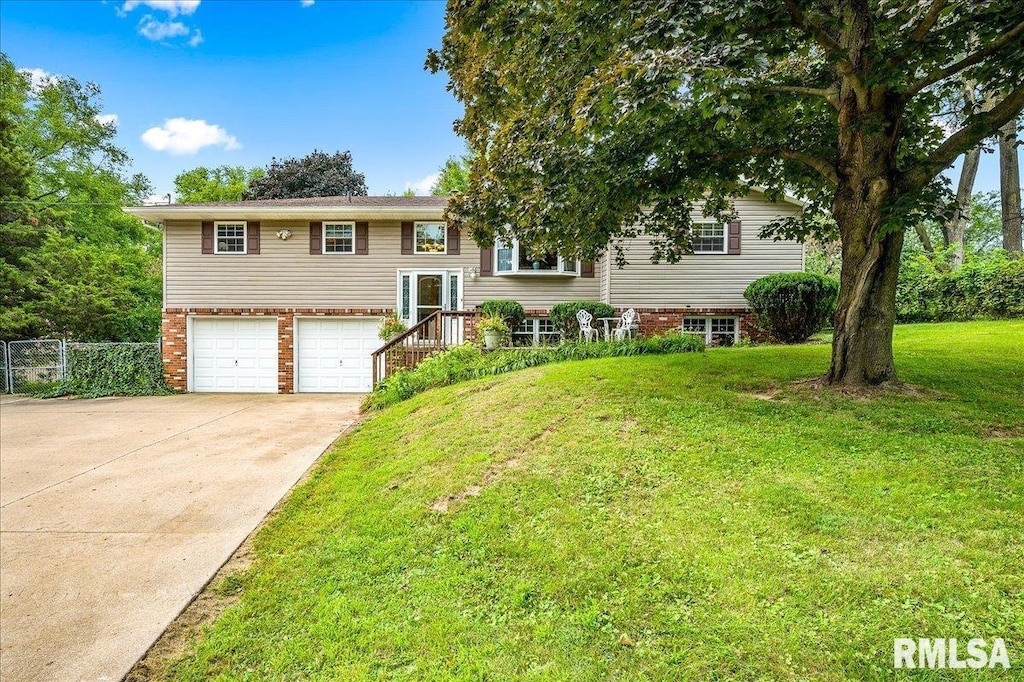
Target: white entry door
234	354
333	354
423	292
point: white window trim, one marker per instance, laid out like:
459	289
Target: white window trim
516	270
707	325
337	223
725	238
245	237
415	242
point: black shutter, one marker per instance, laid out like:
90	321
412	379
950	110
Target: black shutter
207	236
316	238
362	239
587	268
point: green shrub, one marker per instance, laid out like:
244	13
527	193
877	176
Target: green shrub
510	311
988	286
467	361
791	306
102	369
563	316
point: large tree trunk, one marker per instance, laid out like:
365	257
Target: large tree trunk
869	131
1009	186
954	231
866	311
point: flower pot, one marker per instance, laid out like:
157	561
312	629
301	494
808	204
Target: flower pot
536	265
491	340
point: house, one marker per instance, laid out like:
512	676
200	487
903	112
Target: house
287	295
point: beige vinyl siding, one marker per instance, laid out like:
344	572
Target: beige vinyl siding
284	274
707	279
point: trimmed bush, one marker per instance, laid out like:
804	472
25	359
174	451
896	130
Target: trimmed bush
467	361
990	286
510	311
791	306
563	316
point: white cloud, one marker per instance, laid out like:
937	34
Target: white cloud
423	186
39	78
196	39
107	119
172	7
180	136
154	29
308	3
155	199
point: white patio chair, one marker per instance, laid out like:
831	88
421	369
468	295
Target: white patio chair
587	332
628	325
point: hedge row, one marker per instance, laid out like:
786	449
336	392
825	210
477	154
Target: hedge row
985	287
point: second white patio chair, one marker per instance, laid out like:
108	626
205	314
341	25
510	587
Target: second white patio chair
587	332
628	325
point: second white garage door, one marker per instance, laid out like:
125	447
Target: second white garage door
333	354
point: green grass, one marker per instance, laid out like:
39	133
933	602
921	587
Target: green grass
727	525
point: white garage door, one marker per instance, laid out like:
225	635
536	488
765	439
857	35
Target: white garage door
234	355
333	354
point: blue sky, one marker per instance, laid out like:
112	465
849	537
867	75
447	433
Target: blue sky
211	82
267	78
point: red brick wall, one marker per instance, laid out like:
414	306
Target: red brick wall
660	320
175	339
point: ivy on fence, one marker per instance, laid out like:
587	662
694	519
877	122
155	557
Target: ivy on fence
103	369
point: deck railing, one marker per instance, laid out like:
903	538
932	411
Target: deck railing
440	330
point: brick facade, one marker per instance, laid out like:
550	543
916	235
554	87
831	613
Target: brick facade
175	336
660	320
174	346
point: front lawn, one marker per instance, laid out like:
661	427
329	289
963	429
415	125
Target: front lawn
652	518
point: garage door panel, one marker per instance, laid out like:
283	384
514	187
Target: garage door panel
233	355
333	354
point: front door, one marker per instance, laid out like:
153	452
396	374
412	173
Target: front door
421	293
428	295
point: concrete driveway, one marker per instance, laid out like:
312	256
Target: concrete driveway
115	512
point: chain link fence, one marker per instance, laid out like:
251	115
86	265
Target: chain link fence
35	365
55	367
5	383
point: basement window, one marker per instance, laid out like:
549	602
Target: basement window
717	331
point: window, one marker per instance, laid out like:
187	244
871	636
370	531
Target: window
513	259
708	238
430	238
535	331
717	331
230	238
339	238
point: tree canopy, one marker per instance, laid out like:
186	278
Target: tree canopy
593	119
453	177
208	185
72	263
317	174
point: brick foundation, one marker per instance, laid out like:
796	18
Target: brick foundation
174	346
660	320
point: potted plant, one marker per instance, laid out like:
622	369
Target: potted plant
390	327
493	329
